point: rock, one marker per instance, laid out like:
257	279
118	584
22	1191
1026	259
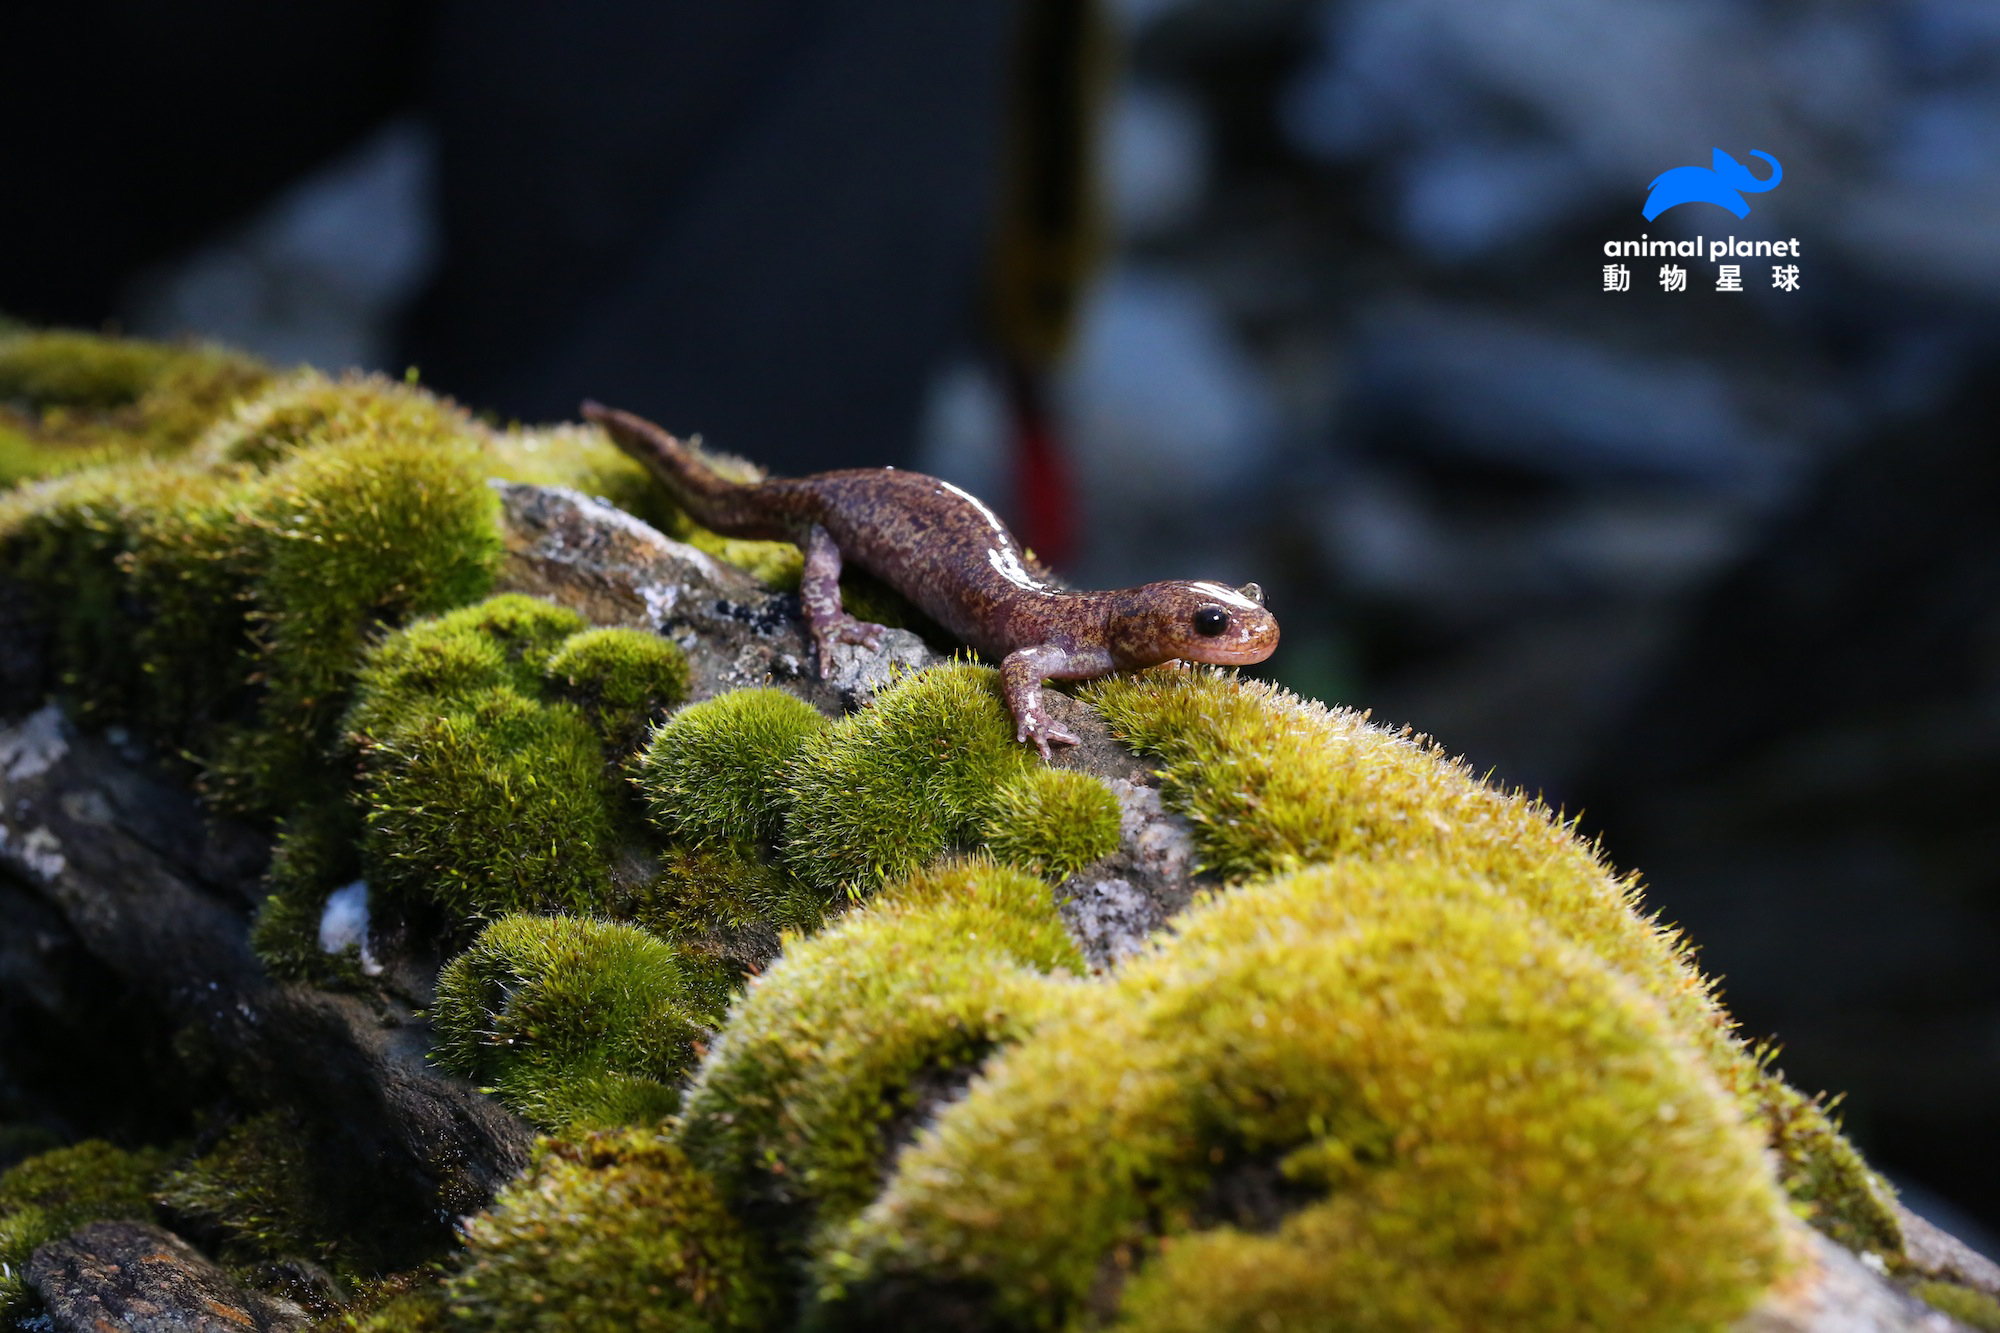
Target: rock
1836	1292
132	1276
615	570
154	895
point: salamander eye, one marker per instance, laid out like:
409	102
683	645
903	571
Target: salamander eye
1210	621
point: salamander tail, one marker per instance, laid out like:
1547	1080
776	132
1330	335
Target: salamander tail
695	486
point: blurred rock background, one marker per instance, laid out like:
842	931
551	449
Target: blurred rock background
1721	572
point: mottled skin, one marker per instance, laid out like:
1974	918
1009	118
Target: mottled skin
949	554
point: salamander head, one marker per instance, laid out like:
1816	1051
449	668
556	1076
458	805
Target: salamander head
1195	622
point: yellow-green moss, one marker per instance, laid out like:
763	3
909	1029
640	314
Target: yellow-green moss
358	536
573	1022
1967	1306
48	1196
713	774
795	1109
419	1311
310	409
494	805
75	400
1272	783
1831	1186
886	790
1055	821
623	679
415	673
1364	1096
616	1234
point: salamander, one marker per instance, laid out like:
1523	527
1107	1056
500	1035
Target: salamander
949	554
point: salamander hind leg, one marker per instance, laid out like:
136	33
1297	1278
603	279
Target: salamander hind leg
1021	677
819	591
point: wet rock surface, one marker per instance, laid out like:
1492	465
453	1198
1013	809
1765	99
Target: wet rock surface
136	1277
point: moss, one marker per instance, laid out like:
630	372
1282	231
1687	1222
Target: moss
79	400
140	575
573	1022
618	1232
853	1031
1829	1183
887	789
726	902
409	677
420	1311
46	1197
1967	1306
317	851
358	535
1055	821
713	775
1273	783
251	1197
309	409
1363	1096
623	679
494	805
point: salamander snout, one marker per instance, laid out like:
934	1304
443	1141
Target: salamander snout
1195	622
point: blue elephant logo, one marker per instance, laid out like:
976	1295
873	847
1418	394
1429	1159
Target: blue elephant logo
1720	185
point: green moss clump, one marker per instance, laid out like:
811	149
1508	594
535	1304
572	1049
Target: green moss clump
573	1022
1964	1304
623	679
412	675
1273	783
619	1231
713	775
311	408
886	790
420	1311
251	1197
46	1197
1055	821
1363	1096
495	805
1829	1183
78	400
725	902
855	1030
358	535
140	575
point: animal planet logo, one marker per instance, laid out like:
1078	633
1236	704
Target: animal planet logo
1723	184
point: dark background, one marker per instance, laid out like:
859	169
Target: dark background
1717	570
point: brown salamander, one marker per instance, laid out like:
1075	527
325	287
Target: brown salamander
949	554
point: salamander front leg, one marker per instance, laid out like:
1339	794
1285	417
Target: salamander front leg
819	590
1021	677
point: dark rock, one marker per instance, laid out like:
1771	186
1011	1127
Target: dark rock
129	1275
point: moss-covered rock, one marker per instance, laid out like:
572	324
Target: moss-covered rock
74	400
573	1022
250	1198
413	675
854	1033
623	679
713	775
497	804
1359	1097
617	1232
888	789
1054	821
48	1196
